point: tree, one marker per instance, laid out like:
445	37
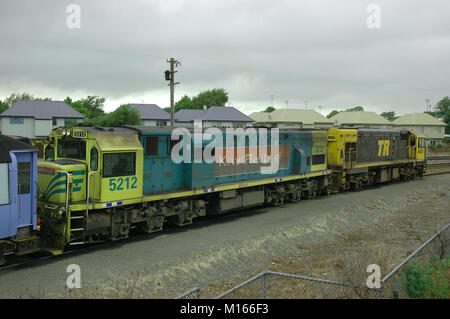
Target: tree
214	97
123	115
333	113
442	111
390	116
184	103
269	109
3	106
355	109
91	107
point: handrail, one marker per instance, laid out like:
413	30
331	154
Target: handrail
87	193
67	189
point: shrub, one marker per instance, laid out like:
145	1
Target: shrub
428	279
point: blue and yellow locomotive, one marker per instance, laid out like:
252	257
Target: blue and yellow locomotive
98	183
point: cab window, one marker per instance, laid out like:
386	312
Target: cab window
412	141
421	142
49	153
119	164
72	149
94	159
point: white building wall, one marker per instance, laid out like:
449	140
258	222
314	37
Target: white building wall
148	122
26	129
42	127
430	131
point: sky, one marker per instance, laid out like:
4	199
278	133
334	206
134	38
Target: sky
316	54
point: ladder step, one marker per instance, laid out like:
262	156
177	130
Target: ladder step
76	217
76	243
77	229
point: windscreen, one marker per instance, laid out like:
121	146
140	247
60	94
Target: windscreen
75	149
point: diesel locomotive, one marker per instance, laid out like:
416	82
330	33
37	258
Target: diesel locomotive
97	183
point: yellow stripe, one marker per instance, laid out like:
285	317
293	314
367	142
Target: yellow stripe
383	163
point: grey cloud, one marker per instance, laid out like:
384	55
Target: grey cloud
316	51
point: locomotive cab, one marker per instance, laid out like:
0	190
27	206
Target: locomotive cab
416	146
85	168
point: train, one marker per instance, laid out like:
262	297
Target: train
97	184
18	205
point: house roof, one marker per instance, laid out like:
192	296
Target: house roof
260	116
8	144
151	112
291	116
359	118
42	110
187	115
213	113
418	119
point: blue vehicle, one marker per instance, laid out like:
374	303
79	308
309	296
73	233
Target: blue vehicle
18	212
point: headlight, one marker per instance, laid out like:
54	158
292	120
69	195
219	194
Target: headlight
64	132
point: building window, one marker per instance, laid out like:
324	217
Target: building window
119	164
16	120
161	123
54	122
4	184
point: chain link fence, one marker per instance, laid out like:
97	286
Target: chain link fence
270	284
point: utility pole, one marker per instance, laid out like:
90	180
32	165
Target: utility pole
170	76
428	103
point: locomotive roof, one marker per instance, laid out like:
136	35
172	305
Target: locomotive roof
169	129
8	144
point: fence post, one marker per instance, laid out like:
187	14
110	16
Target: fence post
381	291
433	247
264	292
395	293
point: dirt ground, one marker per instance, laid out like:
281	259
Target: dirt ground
344	257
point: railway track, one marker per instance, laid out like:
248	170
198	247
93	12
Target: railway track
438	164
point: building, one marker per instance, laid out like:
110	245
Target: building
431	127
35	119
152	114
360	119
214	116
291	118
